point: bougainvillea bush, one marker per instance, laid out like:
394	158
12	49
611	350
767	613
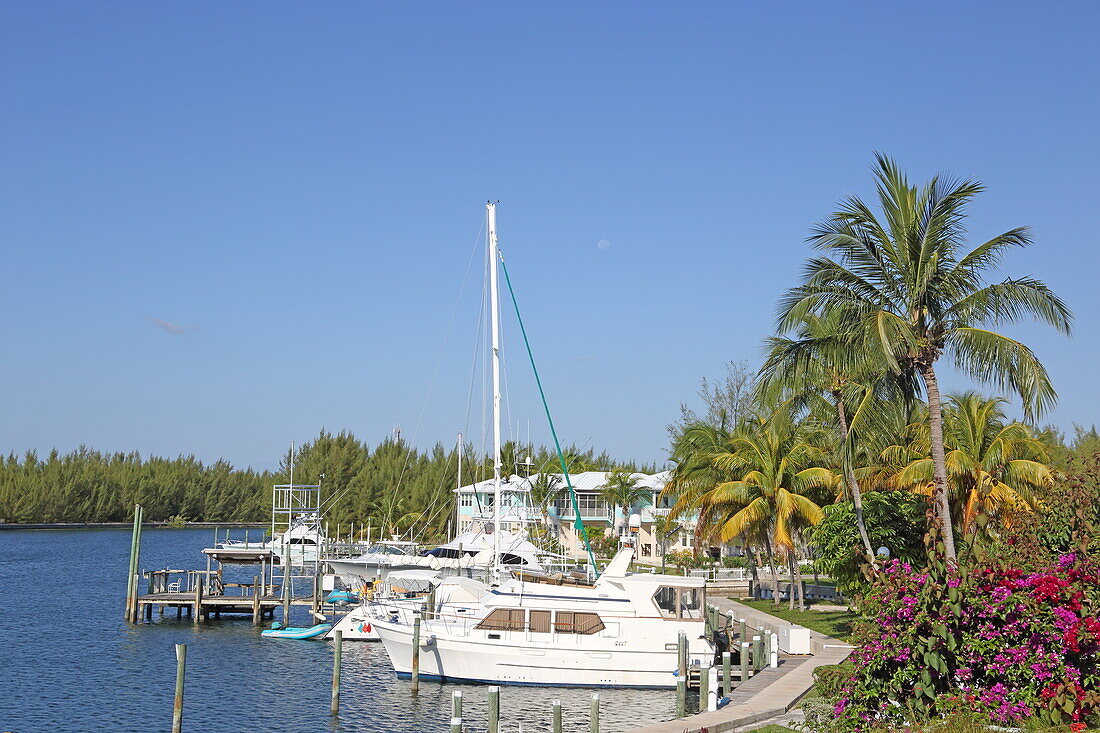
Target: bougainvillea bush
1018	647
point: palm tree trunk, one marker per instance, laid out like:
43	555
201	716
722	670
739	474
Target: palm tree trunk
754	564
775	574
792	586
850	476
939	459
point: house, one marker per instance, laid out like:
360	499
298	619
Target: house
475	504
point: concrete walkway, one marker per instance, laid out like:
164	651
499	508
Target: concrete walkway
769	694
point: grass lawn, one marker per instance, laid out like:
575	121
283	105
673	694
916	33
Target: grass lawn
837	624
772	729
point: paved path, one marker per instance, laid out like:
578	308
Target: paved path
769	694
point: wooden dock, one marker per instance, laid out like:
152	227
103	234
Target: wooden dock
201	595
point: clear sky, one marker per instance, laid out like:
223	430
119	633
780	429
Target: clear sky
225	226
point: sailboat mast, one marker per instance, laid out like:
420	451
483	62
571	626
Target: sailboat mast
458	495
494	305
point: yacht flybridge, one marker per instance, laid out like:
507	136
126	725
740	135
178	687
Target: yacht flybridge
619	631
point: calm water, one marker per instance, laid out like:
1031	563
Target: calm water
69	662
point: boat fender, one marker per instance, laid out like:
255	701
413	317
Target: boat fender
276	625
428	641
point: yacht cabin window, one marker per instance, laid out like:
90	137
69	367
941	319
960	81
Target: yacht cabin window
539	622
569	622
503	619
565	622
679	603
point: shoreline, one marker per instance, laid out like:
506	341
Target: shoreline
130	524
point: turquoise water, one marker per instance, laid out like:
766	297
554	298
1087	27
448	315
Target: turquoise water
69	662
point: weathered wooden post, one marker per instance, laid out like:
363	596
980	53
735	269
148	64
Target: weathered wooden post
416	656
456	725
557	717
255	600
594	717
757	653
198	601
727	674
704	682
135	547
744	631
181	670
494	709
456	704
744	661
337	656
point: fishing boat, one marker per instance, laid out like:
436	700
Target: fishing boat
302	542
278	631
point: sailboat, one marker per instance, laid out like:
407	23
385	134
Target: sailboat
620	630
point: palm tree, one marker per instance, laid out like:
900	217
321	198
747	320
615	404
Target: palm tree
910	287
621	490
694	473
546	489
994	467
664	526
772	463
825	368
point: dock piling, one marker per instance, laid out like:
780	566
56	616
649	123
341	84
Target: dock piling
177	705
416	656
255	600
494	709
757	653
286	583
337	656
594	719
456	704
711	685
197	606
681	696
130	613
727	674
744	661
557	717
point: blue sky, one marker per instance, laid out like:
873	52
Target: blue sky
226	226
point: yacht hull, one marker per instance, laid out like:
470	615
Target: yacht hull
523	662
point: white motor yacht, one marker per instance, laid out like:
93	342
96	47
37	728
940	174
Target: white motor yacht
620	631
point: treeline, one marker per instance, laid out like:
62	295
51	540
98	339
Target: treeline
392	484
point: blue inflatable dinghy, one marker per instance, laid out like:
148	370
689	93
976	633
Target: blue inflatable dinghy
278	631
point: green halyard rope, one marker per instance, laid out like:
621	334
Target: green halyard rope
579	523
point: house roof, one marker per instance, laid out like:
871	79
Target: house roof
585	481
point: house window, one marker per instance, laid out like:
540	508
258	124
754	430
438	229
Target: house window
569	622
647	550
466	500
503	619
